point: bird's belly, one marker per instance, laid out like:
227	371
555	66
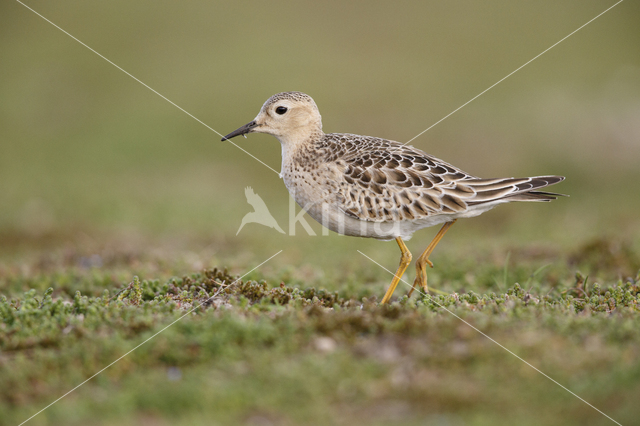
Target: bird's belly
341	223
319	203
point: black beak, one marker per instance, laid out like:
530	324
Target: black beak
241	131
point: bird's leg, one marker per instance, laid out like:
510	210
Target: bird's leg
421	267
405	260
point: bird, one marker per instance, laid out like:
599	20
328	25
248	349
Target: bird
373	187
260	214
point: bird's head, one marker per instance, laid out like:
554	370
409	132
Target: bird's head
289	116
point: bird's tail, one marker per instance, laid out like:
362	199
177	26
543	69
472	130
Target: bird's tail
536	196
513	189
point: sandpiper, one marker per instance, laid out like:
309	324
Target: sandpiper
372	187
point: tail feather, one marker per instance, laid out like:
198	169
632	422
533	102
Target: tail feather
513	189
535	196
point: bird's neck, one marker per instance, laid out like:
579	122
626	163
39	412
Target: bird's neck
299	153
296	141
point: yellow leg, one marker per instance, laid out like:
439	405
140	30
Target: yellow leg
421	267
405	260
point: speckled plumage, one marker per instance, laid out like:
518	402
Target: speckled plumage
372	187
376	180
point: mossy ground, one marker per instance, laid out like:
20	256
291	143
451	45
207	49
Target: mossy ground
244	351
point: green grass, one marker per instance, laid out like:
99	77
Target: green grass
262	351
102	181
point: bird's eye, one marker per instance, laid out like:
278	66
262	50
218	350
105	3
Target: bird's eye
281	110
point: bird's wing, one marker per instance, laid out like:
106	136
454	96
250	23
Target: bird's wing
381	180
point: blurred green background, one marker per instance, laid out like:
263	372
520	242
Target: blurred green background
86	150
